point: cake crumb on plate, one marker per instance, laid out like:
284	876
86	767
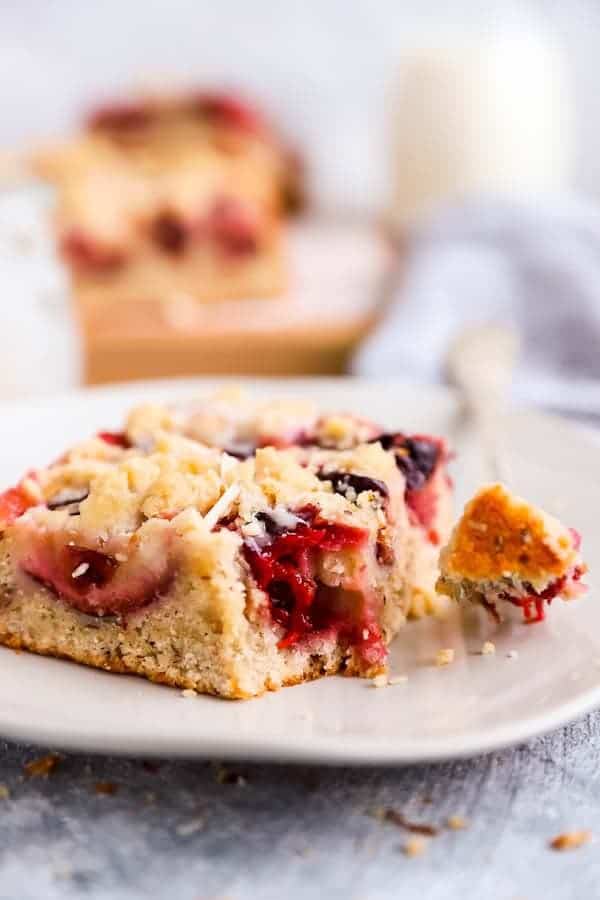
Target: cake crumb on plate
444	656
571	840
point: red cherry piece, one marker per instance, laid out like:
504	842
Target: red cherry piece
82	252
233	227
91	581
115	438
533	603
285	568
422	506
121	117
13	503
170	233
226	109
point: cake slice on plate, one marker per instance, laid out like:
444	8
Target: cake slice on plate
504	550
150	552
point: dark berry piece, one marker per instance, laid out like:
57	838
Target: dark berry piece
271	526
416	457
99	567
341	481
388	441
424	453
240	450
277	524
115	438
282	596
169	232
415	480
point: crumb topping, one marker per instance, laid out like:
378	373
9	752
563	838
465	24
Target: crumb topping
112	523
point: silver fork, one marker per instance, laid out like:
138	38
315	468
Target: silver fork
480	363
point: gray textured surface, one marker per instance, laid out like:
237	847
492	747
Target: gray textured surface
176	831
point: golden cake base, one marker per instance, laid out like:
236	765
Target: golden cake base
310	352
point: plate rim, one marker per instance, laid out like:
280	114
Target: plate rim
316	750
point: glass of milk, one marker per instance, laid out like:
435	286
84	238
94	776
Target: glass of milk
478	114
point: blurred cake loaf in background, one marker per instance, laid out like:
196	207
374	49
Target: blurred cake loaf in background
165	197
172	218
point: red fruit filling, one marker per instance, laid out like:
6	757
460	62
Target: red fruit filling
422	508
94	582
418	458
533	603
229	224
576	538
116	438
225	109
83	252
170	233
121	117
233	227
303	605
13	503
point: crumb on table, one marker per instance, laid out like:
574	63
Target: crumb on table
106	788
415	846
43	766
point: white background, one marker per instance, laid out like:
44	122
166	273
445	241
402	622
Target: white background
323	66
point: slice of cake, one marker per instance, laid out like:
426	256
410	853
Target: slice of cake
165	198
153	553
504	550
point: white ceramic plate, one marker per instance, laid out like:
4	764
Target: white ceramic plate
477	704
